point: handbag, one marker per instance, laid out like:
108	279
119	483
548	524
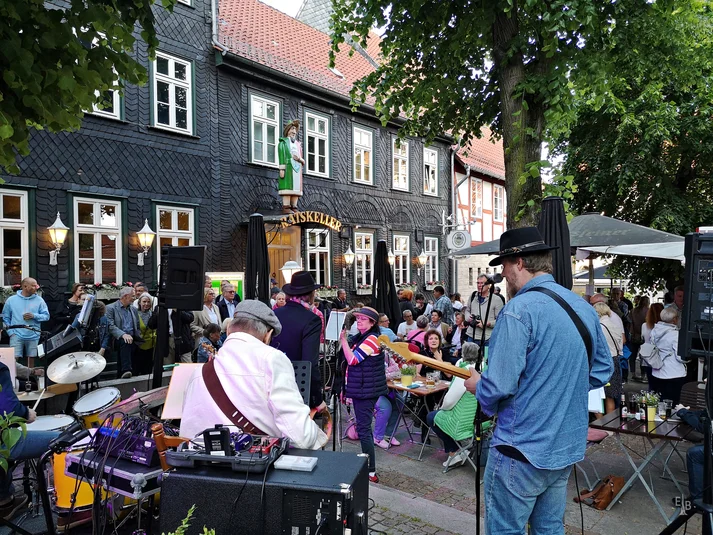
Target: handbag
623	362
651	356
602	495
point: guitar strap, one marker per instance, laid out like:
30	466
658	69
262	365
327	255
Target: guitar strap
216	391
583	332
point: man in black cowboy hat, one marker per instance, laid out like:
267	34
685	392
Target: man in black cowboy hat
537	382
301	330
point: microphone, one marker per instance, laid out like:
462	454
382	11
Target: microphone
495	279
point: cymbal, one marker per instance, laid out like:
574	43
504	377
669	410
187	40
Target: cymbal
76	367
137	401
34	396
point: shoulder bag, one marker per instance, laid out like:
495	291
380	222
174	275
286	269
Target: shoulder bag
216	391
623	363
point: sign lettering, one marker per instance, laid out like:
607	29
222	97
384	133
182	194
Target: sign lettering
311	217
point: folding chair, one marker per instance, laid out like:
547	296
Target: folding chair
693	395
594	436
468	445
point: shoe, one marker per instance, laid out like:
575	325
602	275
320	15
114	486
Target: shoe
77	518
374	478
11	508
126	375
458	458
383	444
394	442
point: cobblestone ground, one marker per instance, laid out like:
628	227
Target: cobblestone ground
394	523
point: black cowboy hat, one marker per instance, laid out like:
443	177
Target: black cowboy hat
520	242
302	283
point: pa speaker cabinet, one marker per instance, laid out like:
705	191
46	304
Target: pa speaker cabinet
335	494
697	317
182	277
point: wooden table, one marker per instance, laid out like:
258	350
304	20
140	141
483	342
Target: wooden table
422	392
662	431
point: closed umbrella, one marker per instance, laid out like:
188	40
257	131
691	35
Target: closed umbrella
555	232
384	289
257	276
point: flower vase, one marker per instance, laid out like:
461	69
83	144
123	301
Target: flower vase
651	414
406	380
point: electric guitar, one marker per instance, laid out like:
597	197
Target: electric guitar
400	352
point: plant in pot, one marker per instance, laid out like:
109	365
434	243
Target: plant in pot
651	401
407	375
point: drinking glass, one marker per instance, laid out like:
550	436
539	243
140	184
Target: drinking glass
669	407
662	409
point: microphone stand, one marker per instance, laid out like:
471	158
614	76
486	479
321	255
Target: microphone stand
479	416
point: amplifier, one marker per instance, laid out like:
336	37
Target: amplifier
334	495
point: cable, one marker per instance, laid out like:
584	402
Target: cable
581	510
237	499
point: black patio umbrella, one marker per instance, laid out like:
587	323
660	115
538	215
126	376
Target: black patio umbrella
257	273
384	289
554	230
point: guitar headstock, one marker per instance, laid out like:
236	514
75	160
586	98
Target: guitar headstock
397	351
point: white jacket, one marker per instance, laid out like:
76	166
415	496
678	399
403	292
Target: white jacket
260	381
665	337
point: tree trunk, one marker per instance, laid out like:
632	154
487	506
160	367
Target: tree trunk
522	128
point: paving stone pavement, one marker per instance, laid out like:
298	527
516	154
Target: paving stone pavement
393	523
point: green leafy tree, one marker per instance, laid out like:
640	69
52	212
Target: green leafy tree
57	58
644	152
513	64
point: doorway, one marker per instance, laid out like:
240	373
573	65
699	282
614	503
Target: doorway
283	245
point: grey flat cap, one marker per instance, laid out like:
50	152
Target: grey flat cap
257	310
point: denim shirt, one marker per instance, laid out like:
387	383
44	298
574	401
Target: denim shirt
538	377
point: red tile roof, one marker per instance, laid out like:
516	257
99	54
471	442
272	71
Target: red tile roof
484	155
271	38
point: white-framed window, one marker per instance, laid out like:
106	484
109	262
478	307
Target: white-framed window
14	245
318	255
400	170
498	202
97	241
430	172
265	125
476	198
176	226
317	132
364	257
363	155
430	247
172	93
186	2
109	105
402	259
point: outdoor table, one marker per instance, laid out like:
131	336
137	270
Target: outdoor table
422	392
665	432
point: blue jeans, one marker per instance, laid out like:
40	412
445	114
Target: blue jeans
364	413
32	446
694	463
449	444
22	347
386	414
517	493
126	354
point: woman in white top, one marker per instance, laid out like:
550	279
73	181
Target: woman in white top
671	376
652	317
614	335
203	318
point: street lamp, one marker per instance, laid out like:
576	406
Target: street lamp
58	234
290	268
348	261
146	237
421	260
392	257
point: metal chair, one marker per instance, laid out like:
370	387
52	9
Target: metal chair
594	437
693	395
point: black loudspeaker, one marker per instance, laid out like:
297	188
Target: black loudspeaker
696	334
182	277
334	495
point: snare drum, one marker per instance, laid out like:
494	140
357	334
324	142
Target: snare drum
56	422
88	407
65	486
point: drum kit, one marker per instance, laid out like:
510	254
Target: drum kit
90	410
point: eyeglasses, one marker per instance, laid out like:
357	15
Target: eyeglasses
230	291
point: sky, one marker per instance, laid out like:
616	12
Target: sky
286	6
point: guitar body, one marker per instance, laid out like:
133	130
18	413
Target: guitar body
400	352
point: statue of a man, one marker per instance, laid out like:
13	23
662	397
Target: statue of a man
289	152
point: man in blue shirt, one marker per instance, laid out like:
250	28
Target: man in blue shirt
25	308
537	382
444	305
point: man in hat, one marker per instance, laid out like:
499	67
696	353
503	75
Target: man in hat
537	382
301	331
259	381
289	152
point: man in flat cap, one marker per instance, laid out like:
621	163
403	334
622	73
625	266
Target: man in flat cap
546	352
257	379
289	152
